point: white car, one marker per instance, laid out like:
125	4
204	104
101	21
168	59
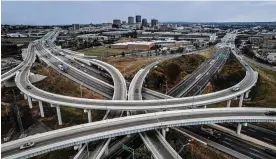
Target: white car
27	145
235	89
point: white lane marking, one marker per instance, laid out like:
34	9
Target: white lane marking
255	155
254	150
267	139
228	139
252	130
227	143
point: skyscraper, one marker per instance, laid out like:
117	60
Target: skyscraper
138	19
144	22
130	20
154	22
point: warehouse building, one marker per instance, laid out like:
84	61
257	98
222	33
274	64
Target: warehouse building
138	45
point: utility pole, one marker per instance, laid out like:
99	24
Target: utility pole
16	111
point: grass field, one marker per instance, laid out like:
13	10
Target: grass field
104	51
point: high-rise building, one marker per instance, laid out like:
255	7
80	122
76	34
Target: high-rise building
117	22
154	22
144	22
75	27
130	20
138	19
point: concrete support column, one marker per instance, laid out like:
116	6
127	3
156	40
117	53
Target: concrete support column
30	102
128	113
239	129
205	106
25	96
106	151
163	132
244	124
41	108
59	115
228	103
241	100
247	94
89	113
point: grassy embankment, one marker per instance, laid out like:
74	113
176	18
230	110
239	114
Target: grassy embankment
102	51
262	95
59	84
175	70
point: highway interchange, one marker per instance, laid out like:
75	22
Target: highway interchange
131	124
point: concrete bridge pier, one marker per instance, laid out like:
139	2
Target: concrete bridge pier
241	100
239	128
228	103
128	113
41	108
205	106
106	151
89	114
25	96
244	124
163	132
58	113
247	94
30	102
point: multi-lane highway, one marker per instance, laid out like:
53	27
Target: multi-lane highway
84	133
114	127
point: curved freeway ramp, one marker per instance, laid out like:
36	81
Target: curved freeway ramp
76	135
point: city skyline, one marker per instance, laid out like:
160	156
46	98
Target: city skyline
64	13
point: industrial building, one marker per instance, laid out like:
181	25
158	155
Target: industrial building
256	39
117	22
138	45
171	43
76	27
89	37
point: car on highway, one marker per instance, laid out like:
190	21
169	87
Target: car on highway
271	152
271	113
28	87
27	145
234	89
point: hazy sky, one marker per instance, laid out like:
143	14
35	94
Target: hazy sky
40	13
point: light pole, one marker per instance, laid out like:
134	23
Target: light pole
81	89
166	86
124	147
181	149
184	146
87	150
196	93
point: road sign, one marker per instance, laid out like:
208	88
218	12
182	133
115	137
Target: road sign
125	147
221	54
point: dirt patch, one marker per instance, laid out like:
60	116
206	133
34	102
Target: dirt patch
129	66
